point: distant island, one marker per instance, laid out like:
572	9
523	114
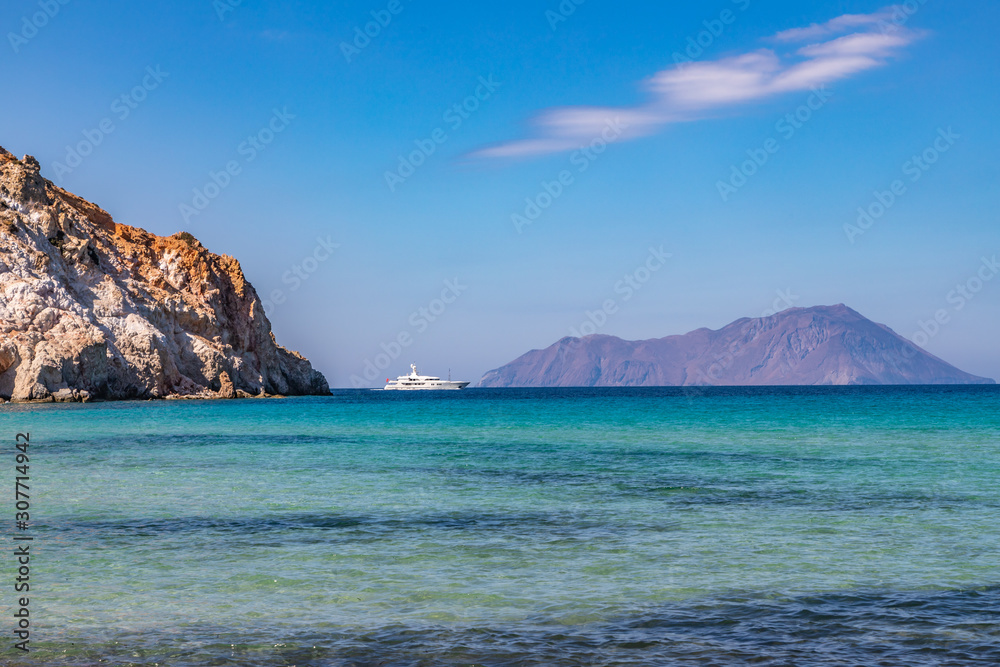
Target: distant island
93	309
822	345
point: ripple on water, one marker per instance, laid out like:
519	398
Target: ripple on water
955	627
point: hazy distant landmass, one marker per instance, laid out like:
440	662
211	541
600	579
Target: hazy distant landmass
822	345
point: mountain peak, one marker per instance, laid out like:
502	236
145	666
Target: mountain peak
818	345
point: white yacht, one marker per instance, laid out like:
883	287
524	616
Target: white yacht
415	381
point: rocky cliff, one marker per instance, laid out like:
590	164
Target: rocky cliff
90	308
824	345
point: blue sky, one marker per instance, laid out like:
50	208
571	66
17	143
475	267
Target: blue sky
348	159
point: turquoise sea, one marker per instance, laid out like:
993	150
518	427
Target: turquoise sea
770	526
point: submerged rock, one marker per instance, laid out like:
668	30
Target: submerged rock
91	308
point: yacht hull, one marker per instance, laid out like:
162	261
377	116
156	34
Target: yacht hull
416	382
446	385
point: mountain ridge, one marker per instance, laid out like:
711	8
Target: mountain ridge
819	345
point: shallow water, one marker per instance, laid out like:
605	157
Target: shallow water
516	527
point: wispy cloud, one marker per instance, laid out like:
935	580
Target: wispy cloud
835	26
698	90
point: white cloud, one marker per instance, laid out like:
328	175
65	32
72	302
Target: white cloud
835	26
697	90
868	44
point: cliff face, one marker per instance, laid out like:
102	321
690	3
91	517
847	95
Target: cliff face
824	345
90	308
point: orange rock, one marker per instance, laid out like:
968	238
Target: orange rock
93	308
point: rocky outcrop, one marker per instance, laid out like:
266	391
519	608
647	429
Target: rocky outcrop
823	345
90	308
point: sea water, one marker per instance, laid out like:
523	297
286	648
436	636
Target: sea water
772	526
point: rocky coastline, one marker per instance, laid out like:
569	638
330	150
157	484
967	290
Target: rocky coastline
91	309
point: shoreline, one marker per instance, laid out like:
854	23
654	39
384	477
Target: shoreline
169	397
686	391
